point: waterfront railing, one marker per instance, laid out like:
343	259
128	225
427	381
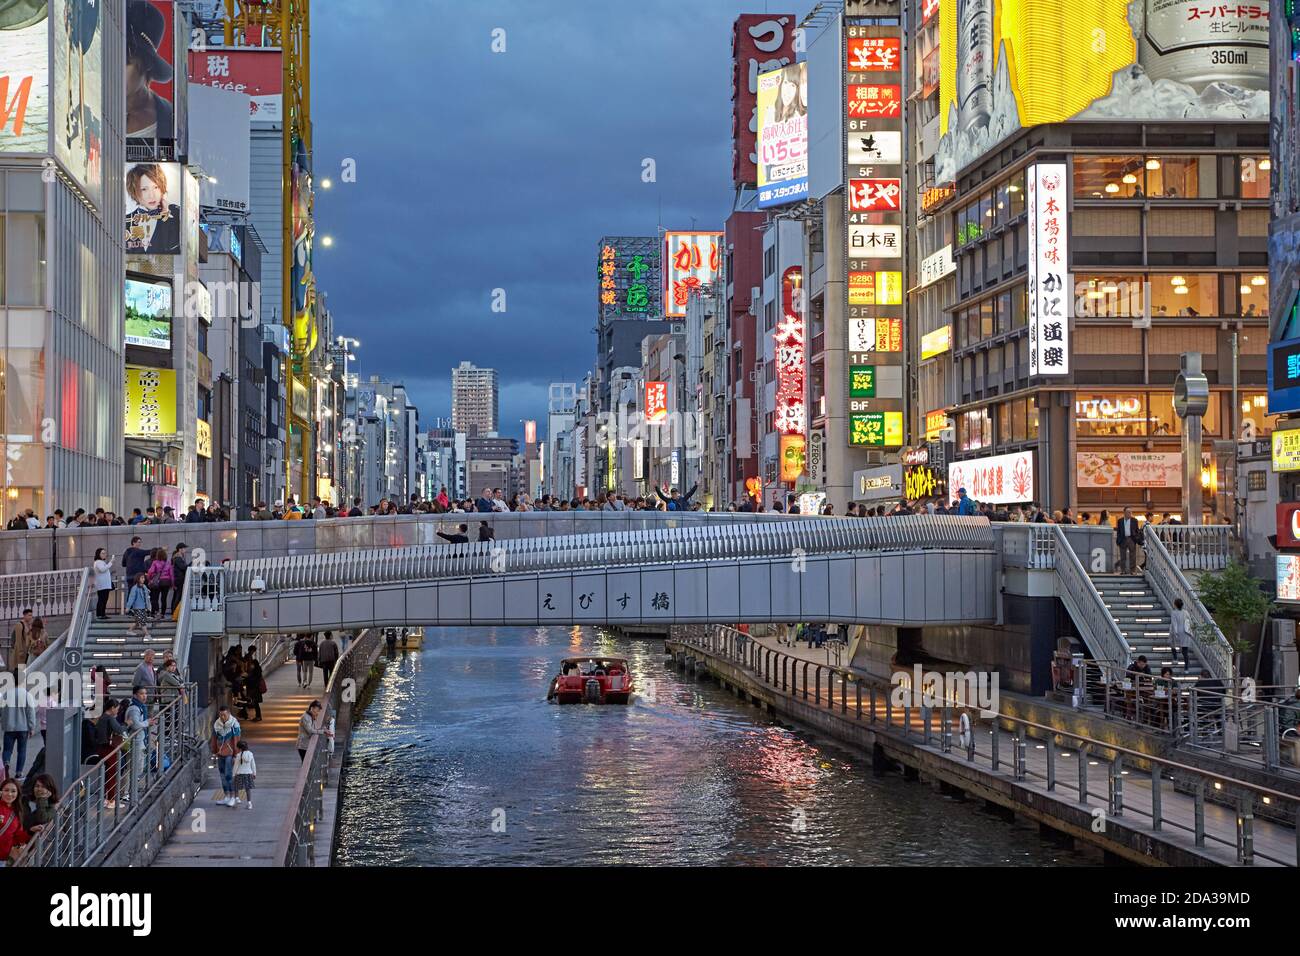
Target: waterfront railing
959	729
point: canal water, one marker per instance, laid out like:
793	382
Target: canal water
459	760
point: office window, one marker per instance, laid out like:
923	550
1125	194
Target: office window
1016	195
1109	296
1031	417
1110	415
1017	415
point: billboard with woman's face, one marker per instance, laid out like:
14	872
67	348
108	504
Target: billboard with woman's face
153	209
783	135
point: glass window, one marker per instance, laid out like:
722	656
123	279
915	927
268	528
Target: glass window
986	213
972	325
1256	422
1019	306
1108	296
1181	177
1001	203
1003	306
25	258
1108	177
1004	423
1256	175
25	192
1253	293
1031	411
1016	193
986	318
976	431
1185	294
1018	432
1165	421
1110	414
995	361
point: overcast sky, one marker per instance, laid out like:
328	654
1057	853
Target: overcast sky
479	171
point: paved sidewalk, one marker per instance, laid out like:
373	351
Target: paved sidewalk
235	835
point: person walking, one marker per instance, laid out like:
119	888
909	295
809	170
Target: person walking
137	605
309	652
20	641
1126	539
145	676
109	734
19	721
307	728
138	723
300	658
40	638
328	656
135	560
1180	630
254	687
245	773
180	567
103	571
160	579
225	744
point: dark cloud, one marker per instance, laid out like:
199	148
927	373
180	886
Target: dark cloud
479	171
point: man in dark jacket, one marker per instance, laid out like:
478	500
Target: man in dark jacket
460	537
484	503
1127	532
135	560
327	655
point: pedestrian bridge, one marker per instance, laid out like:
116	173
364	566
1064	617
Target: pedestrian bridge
913	571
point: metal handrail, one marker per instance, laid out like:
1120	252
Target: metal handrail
659	545
918	726
1097	625
1169	583
296	843
114	793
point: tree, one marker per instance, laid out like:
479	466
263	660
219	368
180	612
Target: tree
1234	600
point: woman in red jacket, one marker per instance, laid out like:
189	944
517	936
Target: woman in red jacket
12	832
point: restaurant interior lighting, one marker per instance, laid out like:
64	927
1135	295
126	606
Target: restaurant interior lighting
1266	164
1112	188
1259	280
1246	290
1181	290
1153	163
1130	179
1177	280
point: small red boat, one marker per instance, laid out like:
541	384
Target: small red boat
592	680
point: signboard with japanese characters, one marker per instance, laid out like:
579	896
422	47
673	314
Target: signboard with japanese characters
874	93
791	417
691	260
656	402
760	43
1001	479
628	284
1051	300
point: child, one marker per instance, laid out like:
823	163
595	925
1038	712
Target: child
137	605
245	772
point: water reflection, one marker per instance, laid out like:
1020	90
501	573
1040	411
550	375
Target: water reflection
460	761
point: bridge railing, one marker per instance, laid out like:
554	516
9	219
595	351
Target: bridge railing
811	536
47	593
113	794
1194	547
1165	572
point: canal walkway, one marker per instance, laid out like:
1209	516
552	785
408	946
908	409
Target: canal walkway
216	835
1274	844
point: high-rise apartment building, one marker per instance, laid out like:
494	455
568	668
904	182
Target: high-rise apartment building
474	399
